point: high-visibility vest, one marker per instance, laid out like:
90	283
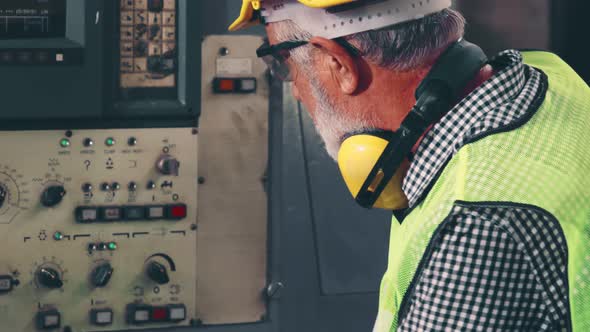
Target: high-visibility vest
543	162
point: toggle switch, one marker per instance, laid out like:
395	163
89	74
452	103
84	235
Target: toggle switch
168	165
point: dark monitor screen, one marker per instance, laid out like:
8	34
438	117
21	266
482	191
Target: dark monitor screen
32	18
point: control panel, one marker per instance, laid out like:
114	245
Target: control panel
148	43
98	229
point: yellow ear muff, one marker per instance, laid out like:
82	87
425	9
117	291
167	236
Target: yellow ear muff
357	157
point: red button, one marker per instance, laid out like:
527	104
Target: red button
226	85
177	211
159	314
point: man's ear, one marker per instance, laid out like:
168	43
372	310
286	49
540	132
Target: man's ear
343	68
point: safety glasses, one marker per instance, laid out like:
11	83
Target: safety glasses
276	56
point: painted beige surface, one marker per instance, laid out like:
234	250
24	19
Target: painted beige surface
232	236
34	160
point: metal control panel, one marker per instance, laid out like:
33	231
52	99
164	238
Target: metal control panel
148	43
98	229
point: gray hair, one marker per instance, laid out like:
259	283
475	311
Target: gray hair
402	47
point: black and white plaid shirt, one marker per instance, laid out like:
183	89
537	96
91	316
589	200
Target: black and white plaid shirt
493	268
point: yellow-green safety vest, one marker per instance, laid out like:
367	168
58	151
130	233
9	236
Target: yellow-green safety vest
491	170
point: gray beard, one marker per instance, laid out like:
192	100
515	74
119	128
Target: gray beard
332	124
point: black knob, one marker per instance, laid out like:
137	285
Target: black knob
151	185
52	196
132	186
3	194
168	165
87	187
158	273
49	278
132	141
88	142
101	275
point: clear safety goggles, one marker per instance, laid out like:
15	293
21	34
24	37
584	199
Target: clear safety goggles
276	56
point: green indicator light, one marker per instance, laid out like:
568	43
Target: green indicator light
58	236
110	141
112	246
64	143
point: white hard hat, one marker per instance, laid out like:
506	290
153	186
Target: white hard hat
337	18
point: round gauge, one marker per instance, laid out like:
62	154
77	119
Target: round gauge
13	194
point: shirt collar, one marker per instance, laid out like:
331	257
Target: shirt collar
497	102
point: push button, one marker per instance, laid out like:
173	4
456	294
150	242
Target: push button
176	211
47	320
138	314
247	85
155	212
177	312
86	214
6	57
159	314
111	213
134	212
101	317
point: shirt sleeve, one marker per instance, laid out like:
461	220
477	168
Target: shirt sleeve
479	276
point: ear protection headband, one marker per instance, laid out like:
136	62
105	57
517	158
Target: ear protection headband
443	85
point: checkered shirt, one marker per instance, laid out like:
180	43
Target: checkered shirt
492	268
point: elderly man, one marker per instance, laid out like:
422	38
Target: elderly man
484	162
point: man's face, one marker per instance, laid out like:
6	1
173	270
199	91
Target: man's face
301	88
314	88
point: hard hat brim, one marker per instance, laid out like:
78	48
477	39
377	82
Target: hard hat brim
248	18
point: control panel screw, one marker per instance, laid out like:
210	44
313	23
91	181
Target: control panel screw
274	290
194	227
195	131
201	180
224	51
69	133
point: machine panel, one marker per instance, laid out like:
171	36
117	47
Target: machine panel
148	43
233	156
98	229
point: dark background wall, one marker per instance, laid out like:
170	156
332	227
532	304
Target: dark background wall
557	25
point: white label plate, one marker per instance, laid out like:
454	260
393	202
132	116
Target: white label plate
234	66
